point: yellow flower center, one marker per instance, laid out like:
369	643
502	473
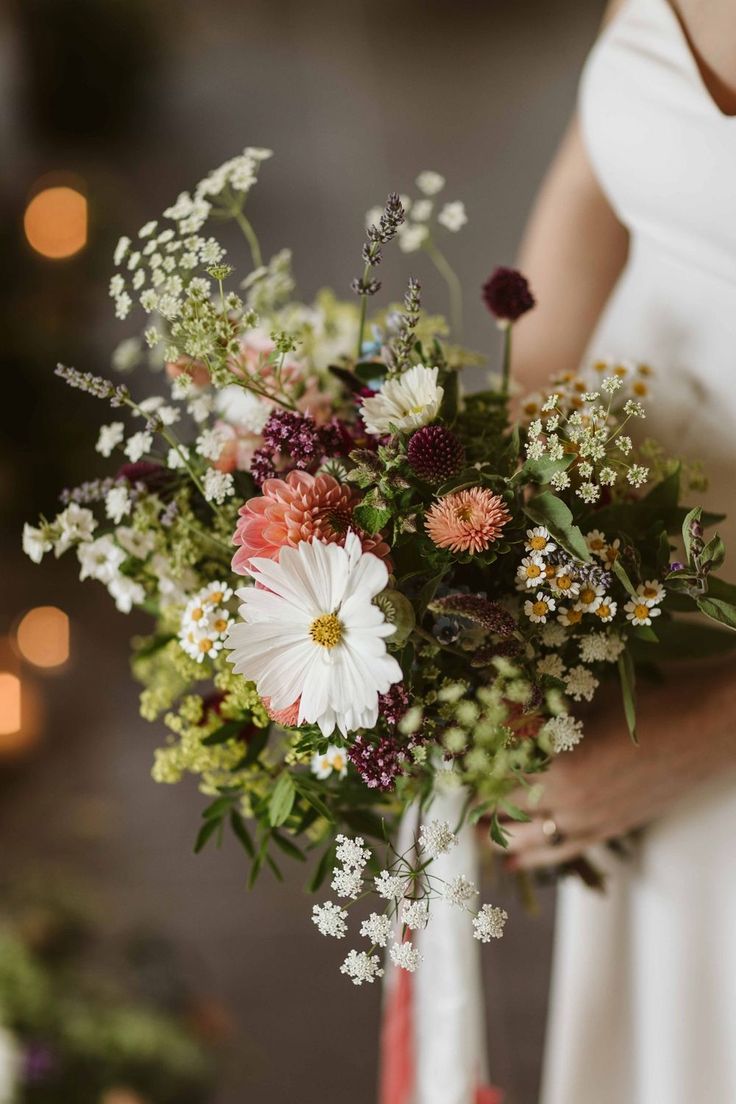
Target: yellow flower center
549	571
205	645
533	571
573	616
539	609
326	630
587	595
641	611
651	592
603	612
220	624
197	614
538	543
596	544
216	597
564	582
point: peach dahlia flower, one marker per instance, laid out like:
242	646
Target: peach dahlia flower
301	507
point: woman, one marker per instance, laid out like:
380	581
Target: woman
632	253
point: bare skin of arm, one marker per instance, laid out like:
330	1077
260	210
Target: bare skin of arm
573	253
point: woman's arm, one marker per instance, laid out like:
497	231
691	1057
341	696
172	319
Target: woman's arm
573	252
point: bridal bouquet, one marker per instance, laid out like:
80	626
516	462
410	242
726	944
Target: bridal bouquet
366	586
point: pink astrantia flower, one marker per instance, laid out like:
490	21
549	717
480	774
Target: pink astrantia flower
467	521
301	507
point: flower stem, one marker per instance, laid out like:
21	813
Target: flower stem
454	287
506	359
250	237
363	310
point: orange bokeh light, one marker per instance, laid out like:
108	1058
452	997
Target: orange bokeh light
10	704
42	637
55	222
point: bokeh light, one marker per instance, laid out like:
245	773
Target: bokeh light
11	716
55	222
42	636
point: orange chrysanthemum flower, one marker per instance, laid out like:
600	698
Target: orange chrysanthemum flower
467	521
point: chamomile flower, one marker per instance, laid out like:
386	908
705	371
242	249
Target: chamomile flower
568	616
651	592
539	608
311	633
564	583
538	541
531	570
606	610
590	597
407	401
332	761
205	622
639	613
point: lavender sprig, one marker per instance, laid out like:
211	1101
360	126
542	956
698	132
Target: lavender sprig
117	394
399	351
377	235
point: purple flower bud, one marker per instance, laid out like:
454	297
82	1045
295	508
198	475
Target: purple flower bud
507	294
677	566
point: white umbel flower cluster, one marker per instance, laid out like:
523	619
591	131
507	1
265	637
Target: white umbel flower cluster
489	923
360	967
436	838
406	956
330	920
377	928
564	732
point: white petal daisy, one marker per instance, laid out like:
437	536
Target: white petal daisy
310	633
408	401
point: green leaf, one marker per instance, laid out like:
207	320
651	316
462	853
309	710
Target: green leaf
316	802
224	733
282	800
478	812
320	872
622	575
515	812
714	553
645	632
680	639
719	588
665	495
207	830
217	809
371	518
288	847
256	743
549	510
497	833
241	832
718	610
540	471
275	869
627	675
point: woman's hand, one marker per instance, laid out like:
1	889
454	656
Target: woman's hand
606	786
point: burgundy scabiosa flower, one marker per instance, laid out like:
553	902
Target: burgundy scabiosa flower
435	453
507	294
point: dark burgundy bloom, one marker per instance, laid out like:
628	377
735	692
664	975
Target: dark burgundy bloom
394	703
507	295
152	476
296	436
262	466
337	438
378	763
435	453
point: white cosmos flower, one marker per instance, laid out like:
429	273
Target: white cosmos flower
311	633
408	401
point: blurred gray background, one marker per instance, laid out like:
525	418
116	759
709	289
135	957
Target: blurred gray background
138	100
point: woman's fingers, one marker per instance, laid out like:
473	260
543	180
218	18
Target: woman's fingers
536	857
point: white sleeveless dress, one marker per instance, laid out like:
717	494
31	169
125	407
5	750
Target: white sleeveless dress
643	1007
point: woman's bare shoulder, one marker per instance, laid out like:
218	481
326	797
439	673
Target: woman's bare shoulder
612	8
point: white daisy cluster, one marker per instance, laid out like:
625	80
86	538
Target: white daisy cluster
206	621
582	429
416	232
333	760
562	590
641	609
408	887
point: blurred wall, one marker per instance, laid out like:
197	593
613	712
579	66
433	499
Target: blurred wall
138	100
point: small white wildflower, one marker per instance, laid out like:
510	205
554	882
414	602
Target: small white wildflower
200	407
123	303
126	593
347	882
535	428
651	592
535	449
389	886
531	570
560	481
565	584
607	477
606	611
135	542
177	457
459	891
422	210
99	559
611	384
569	615
596	542
218	485
589	492
489	923
415	915
553	635
634	409
597	648
555	448
637	475
453	216
35	543
590	597
117	285
210	444
121	250
330	919
352	852
639	613
109	437
117	504
551	665
362	967
377	928
550	402
138	445
436	838
405	956
625	445
585	470
76	524
616	645
412	237
539	608
205	622
581	684
563	732
430	183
